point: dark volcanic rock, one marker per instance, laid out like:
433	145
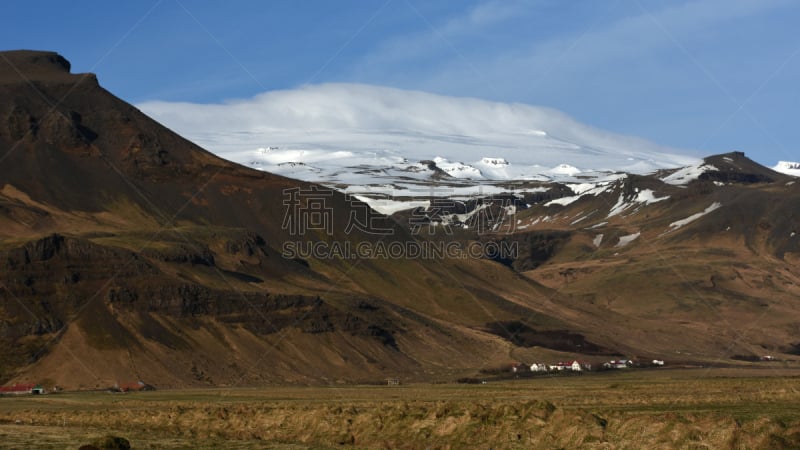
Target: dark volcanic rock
32	62
188	253
562	340
248	245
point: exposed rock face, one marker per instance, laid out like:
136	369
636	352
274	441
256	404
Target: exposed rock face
49	281
19	124
249	245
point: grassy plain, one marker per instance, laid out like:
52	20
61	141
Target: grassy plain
700	408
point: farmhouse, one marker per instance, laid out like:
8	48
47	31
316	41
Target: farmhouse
574	366
618	364
577	366
539	367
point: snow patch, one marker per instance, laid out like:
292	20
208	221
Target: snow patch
625	240
618	207
643	197
788	168
648	197
580	189
565	169
563	201
389	206
582	218
687	174
681	223
463	218
457	169
598	240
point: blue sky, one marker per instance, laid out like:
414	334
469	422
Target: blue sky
708	75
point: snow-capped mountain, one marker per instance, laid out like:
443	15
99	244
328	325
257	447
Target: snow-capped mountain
395	148
323	129
385	142
789	168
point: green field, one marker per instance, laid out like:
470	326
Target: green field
700	408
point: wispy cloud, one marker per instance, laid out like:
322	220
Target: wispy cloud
619	34
435	39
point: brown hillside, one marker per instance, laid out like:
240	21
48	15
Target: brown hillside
127	253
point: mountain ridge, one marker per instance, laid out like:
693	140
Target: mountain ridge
128	252
81	170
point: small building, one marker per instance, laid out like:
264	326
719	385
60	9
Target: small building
21	388
618	364
539	367
561	366
658	362
393	382
518	367
575	366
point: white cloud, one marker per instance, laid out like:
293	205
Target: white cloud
353	121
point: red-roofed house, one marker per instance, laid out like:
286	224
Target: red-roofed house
21	388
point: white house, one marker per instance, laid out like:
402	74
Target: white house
561	366
535	367
658	362
618	364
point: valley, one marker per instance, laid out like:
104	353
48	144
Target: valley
718	408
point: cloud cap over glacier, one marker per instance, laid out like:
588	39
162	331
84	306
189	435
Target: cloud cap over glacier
346	121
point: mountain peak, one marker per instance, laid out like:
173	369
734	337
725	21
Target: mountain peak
22	65
736	167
